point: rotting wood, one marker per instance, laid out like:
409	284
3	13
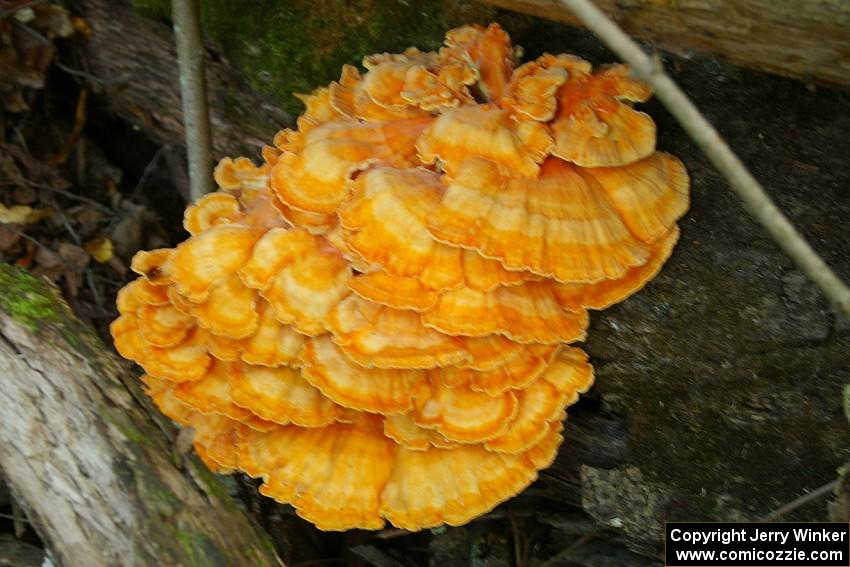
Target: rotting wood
92	465
796	38
124	44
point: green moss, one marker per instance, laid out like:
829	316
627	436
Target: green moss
296	46
199	549
120	419
158	9
28	299
213	486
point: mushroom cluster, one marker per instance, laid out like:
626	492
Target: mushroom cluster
376	320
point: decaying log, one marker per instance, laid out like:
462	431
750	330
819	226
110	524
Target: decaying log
95	470
795	38
136	56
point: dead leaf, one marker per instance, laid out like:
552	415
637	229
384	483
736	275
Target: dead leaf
76	260
8	239
100	249
22	214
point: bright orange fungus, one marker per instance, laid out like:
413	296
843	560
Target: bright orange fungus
375	321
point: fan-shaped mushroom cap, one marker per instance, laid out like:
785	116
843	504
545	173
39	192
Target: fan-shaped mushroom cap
210	257
186	361
488	50
163	325
281	395
603	294
435	486
230	309
273	344
318	111
526	313
375	98
559	225
544	401
532	88
385	222
486	131
488	353
216	441
211	394
376	336
140	292
436	90
463	415
149	264
300	275
209	210
516	373
333	475
594	128
128	341
650	195
314	179
404	430
314	223
394	291
385	391
234	175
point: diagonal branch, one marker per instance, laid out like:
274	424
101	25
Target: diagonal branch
708	139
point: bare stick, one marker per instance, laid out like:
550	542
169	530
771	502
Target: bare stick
800	502
196	118
703	133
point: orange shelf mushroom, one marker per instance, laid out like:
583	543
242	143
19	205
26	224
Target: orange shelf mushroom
376	321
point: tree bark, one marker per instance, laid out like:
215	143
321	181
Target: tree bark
798	38
136	58
94	468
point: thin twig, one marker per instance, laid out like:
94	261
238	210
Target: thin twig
125	78
143	179
708	139
69	195
800	502
196	119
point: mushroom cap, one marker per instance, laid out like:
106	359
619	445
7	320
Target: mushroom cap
606	293
385	221
526	313
514	374
377	336
314	179
436	486
486	131
532	89
209	210
281	395
376	390
559	225
594	127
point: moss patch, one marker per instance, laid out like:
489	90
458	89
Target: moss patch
27	299
296	46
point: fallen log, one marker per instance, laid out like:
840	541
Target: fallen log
91	462
795	38
135	59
